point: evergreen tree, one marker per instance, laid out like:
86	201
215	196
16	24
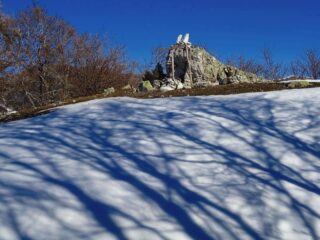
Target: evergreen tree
158	72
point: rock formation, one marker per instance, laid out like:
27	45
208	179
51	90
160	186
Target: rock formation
5	111
192	66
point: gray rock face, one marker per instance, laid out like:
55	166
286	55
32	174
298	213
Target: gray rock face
193	66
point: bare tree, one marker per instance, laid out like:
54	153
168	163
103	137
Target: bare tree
43	59
297	69
271	69
268	69
1	8
159	56
9	43
247	65
308	66
45	44
95	70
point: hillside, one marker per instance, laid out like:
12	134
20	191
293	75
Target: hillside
209	167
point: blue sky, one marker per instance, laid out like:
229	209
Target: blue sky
228	28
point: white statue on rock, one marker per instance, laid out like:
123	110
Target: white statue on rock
184	39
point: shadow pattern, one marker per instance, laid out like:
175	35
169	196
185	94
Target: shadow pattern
181	168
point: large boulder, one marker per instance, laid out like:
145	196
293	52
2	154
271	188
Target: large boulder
170	85
157	84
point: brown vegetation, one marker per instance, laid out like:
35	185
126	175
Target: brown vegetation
44	60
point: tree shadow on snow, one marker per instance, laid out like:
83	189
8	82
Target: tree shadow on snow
148	151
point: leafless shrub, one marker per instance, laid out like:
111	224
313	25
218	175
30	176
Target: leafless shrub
266	67
94	71
159	56
45	60
308	65
271	69
247	65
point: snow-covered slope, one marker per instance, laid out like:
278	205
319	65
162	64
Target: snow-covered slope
301	80
224	167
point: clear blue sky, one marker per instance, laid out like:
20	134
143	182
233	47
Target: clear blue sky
227	28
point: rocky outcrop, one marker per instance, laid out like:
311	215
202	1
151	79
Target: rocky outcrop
193	66
189	66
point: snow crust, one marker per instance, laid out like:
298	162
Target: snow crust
222	167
